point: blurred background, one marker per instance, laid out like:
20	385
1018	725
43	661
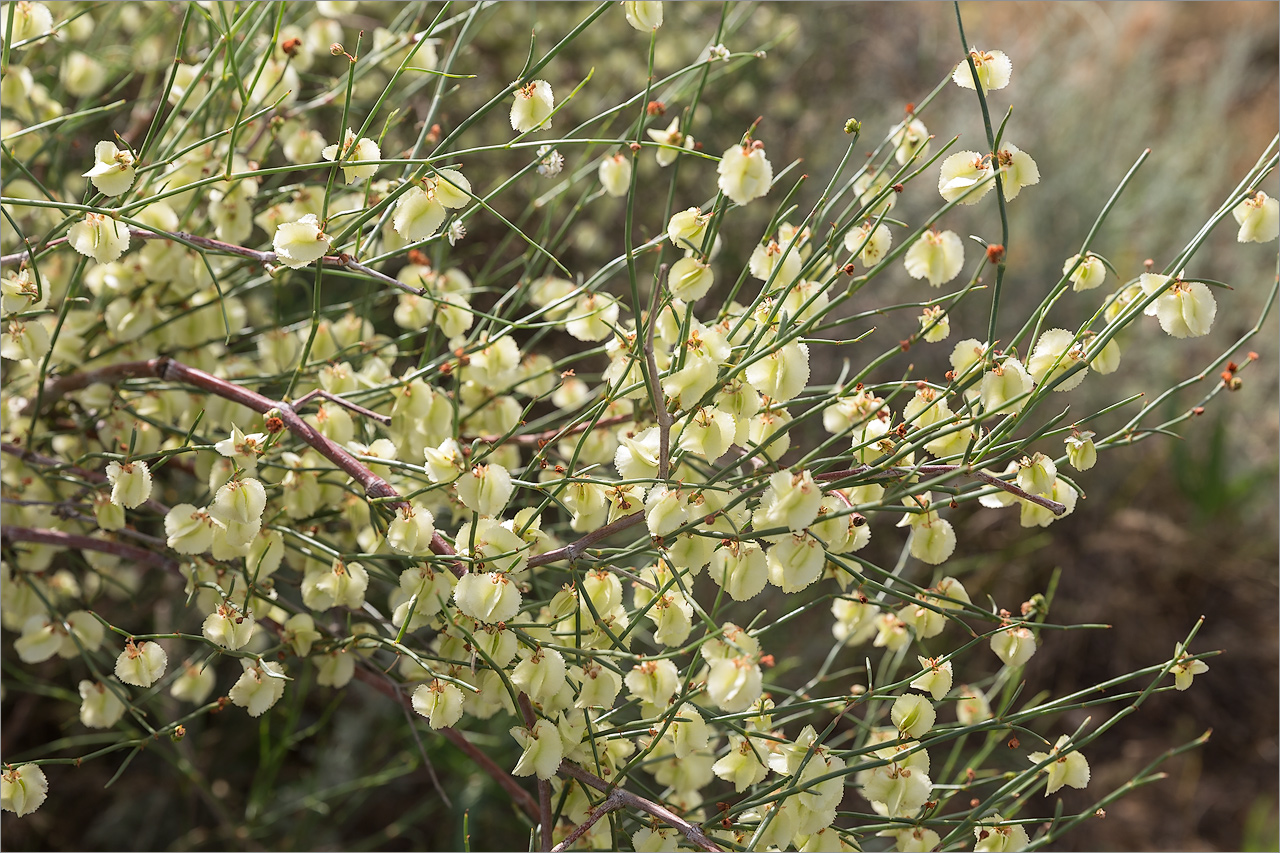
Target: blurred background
1171	530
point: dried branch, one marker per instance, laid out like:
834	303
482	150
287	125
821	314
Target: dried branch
574	549
613	802
385	420
626	798
544	785
655	387
872	473
89	543
504	779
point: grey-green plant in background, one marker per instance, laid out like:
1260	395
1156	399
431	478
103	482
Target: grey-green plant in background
352	346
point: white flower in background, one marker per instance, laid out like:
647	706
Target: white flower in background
532	108
670	136
910	138
29	20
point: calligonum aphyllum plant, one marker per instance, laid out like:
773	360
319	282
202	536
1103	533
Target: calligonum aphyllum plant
302	389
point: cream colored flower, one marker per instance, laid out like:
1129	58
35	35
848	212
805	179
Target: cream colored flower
1259	218
112	171
994	70
532	107
745	173
937	256
353	150
301	242
100	237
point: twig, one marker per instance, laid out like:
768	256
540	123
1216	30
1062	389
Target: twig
662	813
655	387
613	802
538	439
385	420
89	543
870	472
341	260
49	462
574	549
544	785
504	779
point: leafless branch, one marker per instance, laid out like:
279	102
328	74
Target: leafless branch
871	473
695	835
